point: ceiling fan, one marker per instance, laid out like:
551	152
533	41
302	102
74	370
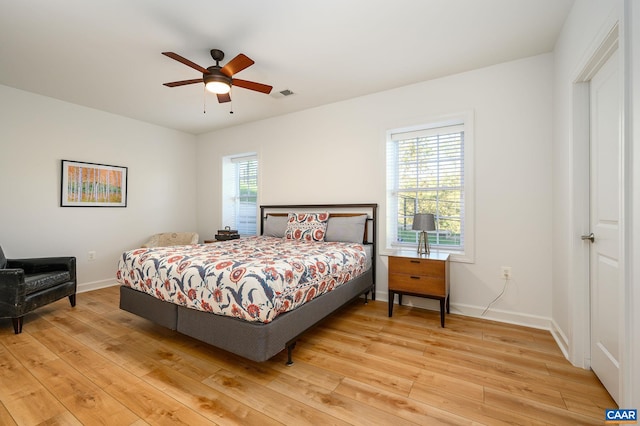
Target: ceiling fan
219	79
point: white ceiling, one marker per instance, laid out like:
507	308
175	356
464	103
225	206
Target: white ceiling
106	54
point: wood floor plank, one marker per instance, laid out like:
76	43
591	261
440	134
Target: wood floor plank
265	372
26	399
259	372
271	403
320	357
535	410
332	336
583	403
476	411
141	398
322	378
409	409
453	375
100	302
115	350
96	363
424	333
212	404
346	409
566	371
76	392
5	416
96	320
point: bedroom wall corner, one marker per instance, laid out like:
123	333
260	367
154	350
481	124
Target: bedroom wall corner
37	132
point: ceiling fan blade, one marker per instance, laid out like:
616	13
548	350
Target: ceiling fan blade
185	61
236	65
252	85
222	98
183	82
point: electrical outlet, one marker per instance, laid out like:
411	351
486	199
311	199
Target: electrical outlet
506	272
91	255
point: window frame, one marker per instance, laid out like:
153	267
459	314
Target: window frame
231	194
466	252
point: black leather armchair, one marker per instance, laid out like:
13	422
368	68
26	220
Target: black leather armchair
27	284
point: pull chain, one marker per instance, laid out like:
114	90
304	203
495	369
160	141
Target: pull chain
204	100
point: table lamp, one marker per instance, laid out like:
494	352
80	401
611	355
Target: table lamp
423	222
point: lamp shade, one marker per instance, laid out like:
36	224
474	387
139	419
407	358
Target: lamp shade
424	222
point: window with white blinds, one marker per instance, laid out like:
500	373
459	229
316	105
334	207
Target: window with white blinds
240	193
426	174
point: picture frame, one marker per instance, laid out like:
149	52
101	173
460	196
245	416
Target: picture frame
93	185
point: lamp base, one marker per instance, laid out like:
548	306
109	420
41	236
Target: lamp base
423	243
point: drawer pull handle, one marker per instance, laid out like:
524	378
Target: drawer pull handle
415	278
414	261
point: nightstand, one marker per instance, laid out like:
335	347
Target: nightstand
419	275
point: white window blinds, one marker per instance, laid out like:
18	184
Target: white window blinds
425	174
240	193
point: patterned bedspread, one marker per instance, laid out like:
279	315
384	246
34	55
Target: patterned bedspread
253	278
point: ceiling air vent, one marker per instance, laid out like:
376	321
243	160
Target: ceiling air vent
282	94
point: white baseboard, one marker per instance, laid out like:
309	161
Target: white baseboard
509	317
560	338
95	285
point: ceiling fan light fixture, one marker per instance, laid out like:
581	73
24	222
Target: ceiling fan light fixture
219	79
218	84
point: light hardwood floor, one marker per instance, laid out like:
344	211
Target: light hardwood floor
96	364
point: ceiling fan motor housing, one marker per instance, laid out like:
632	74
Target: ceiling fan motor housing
214	74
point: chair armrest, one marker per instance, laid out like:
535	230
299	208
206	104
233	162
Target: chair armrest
44	264
12	288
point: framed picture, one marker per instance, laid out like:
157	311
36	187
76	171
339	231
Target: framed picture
93	185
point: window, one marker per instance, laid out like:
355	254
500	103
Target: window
240	193
427	173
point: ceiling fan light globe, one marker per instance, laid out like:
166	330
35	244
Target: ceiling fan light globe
218	87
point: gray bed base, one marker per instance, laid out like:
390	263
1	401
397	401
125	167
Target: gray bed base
255	341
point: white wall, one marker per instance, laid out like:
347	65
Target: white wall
37	132
336	154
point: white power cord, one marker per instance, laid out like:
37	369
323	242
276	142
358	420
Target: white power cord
504	288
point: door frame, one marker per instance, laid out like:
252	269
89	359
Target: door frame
579	351
630	353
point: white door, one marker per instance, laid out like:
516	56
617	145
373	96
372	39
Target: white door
605	224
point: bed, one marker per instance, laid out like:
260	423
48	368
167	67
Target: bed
255	296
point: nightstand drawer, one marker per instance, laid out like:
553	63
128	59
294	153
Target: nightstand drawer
418	284
424	267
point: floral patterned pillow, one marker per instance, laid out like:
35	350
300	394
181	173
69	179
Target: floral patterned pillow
306	226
